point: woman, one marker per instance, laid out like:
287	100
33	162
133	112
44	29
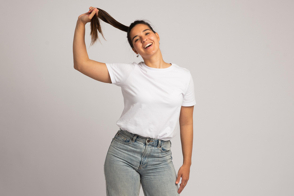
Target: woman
156	95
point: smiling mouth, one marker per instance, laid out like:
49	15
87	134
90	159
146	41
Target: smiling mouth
149	46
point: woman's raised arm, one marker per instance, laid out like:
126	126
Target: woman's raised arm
82	63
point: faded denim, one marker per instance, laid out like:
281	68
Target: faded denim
132	160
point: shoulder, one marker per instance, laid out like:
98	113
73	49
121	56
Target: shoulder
182	70
122	64
121	67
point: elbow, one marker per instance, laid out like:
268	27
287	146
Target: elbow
77	66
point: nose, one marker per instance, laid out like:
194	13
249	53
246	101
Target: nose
144	39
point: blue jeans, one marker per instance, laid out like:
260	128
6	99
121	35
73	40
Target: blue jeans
132	160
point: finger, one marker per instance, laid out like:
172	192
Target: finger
181	188
178	179
94	10
91	9
185	181
92	14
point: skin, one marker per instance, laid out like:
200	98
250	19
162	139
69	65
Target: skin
152	56
186	133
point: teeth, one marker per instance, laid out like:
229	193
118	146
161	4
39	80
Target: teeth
147	45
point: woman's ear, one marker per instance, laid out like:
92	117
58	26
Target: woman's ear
157	35
134	50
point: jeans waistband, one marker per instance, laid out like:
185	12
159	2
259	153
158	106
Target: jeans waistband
144	140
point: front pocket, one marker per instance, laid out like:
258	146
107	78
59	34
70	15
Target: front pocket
164	149
123	139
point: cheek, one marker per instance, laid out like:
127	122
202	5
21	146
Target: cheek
137	45
154	38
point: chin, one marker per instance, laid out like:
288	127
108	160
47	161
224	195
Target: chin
154	51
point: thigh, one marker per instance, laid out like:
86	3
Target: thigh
160	179
121	177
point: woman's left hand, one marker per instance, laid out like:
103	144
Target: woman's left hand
183	172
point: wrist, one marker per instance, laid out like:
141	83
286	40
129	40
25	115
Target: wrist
187	163
80	22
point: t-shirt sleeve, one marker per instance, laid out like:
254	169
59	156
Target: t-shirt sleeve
119	72
189	96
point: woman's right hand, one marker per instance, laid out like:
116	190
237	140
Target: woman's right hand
86	17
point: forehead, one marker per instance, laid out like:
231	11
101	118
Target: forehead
138	29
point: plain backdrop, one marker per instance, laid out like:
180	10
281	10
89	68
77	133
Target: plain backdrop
57	124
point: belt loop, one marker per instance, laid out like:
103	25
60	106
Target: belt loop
159	143
134	138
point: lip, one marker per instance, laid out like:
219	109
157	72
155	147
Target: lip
149	46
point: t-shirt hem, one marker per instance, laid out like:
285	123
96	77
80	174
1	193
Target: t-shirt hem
113	81
189	104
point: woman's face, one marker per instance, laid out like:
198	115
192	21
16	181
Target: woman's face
141	36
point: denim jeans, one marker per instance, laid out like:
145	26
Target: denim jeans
132	160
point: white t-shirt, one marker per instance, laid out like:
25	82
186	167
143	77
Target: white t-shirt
152	97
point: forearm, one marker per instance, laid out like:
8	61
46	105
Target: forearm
187	143
80	54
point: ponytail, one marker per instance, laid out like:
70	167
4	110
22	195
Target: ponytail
95	24
103	15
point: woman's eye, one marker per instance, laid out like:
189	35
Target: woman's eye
147	33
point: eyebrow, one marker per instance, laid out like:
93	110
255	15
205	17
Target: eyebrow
137	35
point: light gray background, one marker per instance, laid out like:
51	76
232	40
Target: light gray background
57	124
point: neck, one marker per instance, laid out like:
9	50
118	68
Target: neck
156	61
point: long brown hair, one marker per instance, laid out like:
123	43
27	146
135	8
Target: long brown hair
103	15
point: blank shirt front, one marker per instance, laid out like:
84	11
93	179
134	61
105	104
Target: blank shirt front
152	97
